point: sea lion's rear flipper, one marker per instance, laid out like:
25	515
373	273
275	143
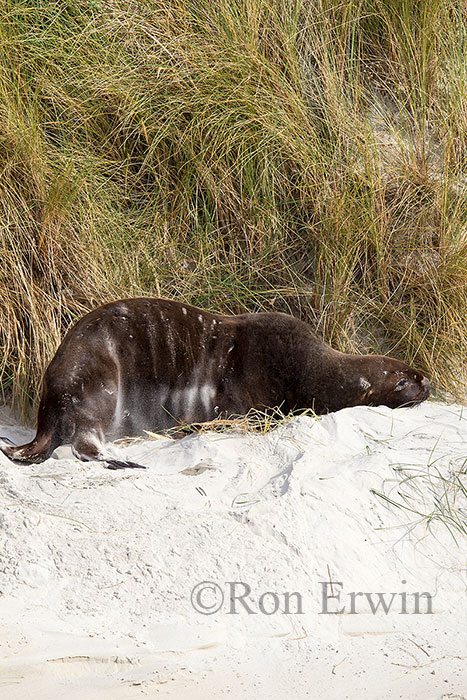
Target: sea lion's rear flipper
88	447
38	450
118	464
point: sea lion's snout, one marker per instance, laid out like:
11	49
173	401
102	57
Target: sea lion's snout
418	390
426	388
404	386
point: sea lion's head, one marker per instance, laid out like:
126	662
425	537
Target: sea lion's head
388	382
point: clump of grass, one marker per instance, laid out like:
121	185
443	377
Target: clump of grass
265	155
255	421
430	494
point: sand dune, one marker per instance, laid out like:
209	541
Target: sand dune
101	571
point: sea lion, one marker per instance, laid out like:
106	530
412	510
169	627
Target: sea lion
149	364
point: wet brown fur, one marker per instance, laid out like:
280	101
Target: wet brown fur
146	364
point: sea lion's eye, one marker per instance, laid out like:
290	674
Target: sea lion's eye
401	384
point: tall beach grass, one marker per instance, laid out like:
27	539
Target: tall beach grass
297	155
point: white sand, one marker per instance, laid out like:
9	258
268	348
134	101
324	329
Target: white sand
97	566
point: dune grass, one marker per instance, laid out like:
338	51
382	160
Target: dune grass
298	155
429	494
